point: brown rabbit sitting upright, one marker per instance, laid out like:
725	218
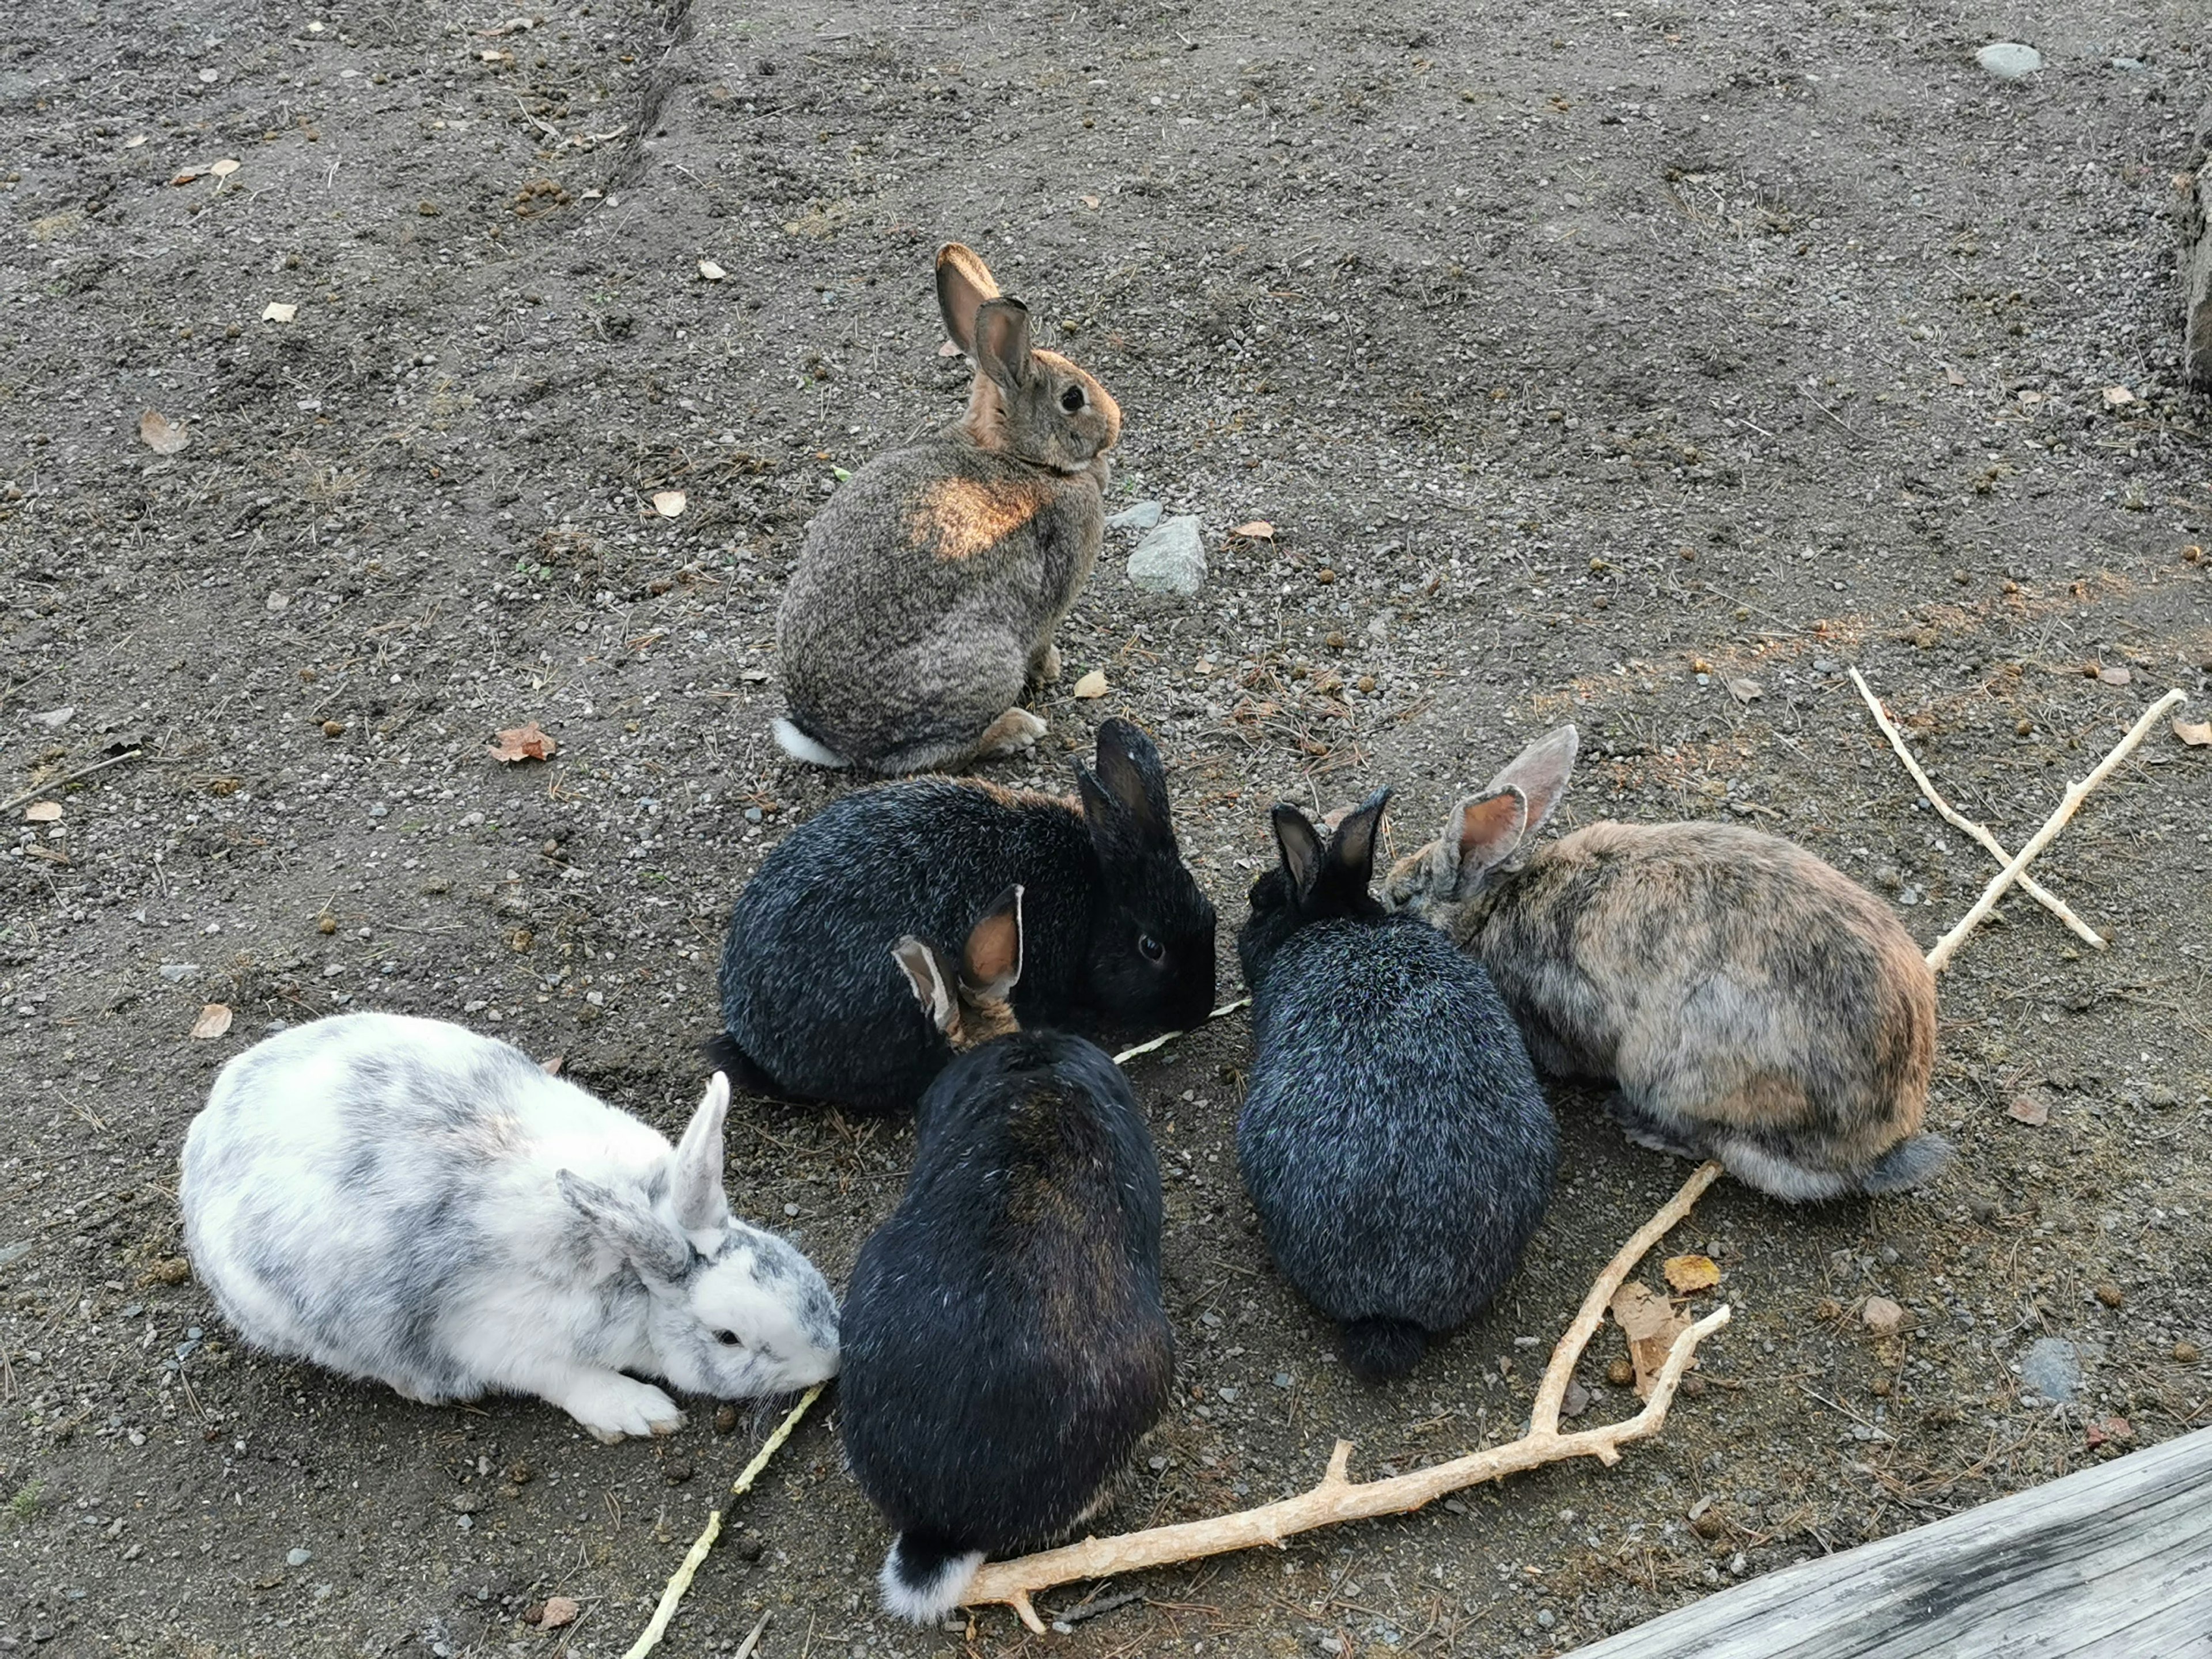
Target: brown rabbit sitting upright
1749	1002
925	598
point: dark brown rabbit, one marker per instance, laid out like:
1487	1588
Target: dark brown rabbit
925	598
1749	1002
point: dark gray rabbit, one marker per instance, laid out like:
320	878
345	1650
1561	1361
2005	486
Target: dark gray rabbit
403	1200
1005	1342
1393	1138
925	598
1750	1002
1119	940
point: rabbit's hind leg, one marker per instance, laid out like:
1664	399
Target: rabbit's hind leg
1648	1130
1044	664
1011	732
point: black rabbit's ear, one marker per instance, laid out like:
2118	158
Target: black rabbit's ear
1540	772
1130	772
661	1256
964	283
1298	844
931	979
1480	835
1352	850
991	960
1002	342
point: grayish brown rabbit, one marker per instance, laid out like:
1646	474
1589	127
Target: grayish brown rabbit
1751	1003
925	600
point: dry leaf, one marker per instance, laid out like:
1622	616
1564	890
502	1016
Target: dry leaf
948	350
43	811
2117	396
2197	734
134	141
2114	676
1091	201
278	311
224	168
2031	1109
1258	530
552	1067
1092	684
190	175
1744	691
213	1021
711	271
1953	375
47	854
161	434
522	743
1688	1273
559	1611
1883	1317
669	503
1650	1323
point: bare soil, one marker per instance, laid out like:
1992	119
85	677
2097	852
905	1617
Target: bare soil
1585	360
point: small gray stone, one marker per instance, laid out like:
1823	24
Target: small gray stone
1170	559
1143	516
2008	60
299	1558
178	972
2052	1368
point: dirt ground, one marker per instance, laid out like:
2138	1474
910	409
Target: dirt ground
1585	360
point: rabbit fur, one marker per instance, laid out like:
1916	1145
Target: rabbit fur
403	1200
929	587
1119	941
1750	1002
1393	1138
1006	1341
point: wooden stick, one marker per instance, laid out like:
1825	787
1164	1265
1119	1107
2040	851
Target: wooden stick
681	1580
1166	1038
2041	895
1940	957
1338	1497
63	783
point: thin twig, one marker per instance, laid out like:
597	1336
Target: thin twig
1166	1038
1940	957
59	783
1339	1498
2041	895
671	1597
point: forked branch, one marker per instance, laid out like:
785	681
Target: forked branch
1339	1497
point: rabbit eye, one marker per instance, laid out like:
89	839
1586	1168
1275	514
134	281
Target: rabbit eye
1152	947
1072	399
728	1338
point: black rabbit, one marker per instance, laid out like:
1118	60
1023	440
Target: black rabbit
1119	940
1393	1137
1004	1343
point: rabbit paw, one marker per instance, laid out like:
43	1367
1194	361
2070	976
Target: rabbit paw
1011	732
1045	669
612	1406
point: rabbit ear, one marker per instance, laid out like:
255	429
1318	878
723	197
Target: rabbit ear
1352	850
696	1172
1299	843
1540	773
964	283
1480	835
931	982
991	960
1130	771
1002	342
661	1254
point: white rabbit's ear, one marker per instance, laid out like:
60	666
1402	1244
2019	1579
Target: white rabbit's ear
932	984
1540	772
1002	342
1298	844
991	960
661	1254
1480	835
696	1172
964	283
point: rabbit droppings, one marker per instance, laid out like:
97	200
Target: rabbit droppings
926	592
1005	1344
1393	1138
1119	940
402	1199
1750	1003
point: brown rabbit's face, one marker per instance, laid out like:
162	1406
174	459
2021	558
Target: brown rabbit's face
1057	415
1411	886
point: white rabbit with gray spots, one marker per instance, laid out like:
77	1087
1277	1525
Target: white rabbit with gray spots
403	1200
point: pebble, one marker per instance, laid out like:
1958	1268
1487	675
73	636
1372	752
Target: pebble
2187	1353
178	972
1170	559
725	1418
2052	1368
299	1558
1143	516
2008	60
1883	1316
1621	1373
1576	1400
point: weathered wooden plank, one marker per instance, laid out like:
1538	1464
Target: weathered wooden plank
2113	1562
